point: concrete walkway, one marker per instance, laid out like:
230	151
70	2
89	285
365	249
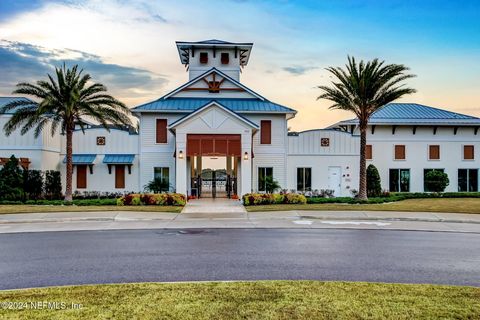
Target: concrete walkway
211	206
106	220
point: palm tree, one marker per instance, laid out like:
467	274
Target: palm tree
362	89
64	102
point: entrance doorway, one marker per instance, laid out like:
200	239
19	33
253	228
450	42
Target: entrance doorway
213	161
214	177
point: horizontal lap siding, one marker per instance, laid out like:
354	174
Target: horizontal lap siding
156	159
273	154
153	154
276	161
148	132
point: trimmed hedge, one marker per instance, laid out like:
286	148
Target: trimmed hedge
397	196
419	195
151	199
77	202
251	199
275	198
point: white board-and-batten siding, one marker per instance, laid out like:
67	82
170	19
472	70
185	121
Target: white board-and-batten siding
42	151
305	151
116	142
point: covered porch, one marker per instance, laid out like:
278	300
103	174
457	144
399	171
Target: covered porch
213	132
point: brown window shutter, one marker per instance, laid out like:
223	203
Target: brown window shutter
434	152
119	176
203	57
265	132
81	176
161	131
368	152
468	152
225	58
399	152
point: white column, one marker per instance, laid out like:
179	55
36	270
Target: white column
181	163
246	164
229	164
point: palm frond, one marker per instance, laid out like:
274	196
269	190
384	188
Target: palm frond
364	87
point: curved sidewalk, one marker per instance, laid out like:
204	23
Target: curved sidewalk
107	220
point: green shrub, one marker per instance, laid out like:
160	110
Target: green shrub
11	181
293	198
251	199
95	202
374	187
161	199
53	184
271	185
9	202
330	200
436	181
158	185
32	184
278	198
136	201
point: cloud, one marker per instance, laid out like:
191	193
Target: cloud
20	62
298	70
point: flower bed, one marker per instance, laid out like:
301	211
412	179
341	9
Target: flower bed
251	199
152	199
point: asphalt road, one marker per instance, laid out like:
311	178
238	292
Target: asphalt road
85	257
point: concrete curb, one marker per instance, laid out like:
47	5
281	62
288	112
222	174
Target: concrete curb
393	219
339	218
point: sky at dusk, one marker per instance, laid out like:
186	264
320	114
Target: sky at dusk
130	46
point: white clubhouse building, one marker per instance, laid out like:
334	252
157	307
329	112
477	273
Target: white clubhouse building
215	116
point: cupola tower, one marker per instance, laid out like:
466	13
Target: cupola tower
202	56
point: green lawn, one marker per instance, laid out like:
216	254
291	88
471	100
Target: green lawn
251	300
454	205
21	208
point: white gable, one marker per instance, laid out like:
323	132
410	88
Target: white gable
201	86
213	118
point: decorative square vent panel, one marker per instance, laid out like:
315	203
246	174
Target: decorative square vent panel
325	142
100	141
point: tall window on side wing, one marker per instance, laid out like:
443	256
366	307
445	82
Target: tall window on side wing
468	180
399	180
304	179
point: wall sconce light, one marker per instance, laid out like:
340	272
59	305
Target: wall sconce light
245	156
180	154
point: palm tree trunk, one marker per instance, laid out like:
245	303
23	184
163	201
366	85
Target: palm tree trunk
69	171
362	190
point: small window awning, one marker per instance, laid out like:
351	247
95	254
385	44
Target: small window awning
82	158
118	158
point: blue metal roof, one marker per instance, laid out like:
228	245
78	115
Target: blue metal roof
82	158
214	41
192	104
414	113
119	158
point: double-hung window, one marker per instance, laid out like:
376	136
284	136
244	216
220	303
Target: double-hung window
163	173
399	180
468	180
304	179
264	175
